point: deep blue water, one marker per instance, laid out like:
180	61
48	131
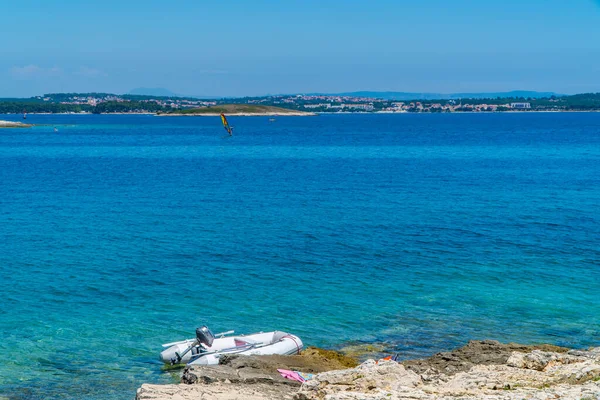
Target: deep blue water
421	232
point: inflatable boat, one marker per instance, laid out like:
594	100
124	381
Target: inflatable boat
206	348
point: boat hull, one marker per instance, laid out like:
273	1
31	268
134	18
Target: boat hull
267	343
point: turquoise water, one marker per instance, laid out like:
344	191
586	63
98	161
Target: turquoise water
119	233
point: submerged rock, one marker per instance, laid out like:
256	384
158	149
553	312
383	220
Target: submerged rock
365	351
11	124
316	358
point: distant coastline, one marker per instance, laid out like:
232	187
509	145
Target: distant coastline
242	110
3	124
266	114
293	105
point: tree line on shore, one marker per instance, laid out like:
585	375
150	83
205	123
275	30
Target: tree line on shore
18	107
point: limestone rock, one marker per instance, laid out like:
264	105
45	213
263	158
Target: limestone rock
374	379
476	352
484	370
237	369
540	360
538	374
216	391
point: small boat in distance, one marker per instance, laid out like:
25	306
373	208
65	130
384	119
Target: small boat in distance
271	119
206	349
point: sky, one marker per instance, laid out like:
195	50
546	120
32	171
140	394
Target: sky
258	47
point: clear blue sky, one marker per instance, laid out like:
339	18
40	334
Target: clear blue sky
254	47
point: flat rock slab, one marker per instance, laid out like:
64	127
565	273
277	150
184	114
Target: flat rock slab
263	369
207	375
215	391
246	377
476	352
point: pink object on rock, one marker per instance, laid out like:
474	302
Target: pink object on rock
293	375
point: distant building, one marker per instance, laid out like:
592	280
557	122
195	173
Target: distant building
521	106
366	107
322	105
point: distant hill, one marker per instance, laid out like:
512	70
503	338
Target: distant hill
154	92
239	109
448	96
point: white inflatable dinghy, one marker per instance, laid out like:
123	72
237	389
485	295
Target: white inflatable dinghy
205	349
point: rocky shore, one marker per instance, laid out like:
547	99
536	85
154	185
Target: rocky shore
11	124
480	370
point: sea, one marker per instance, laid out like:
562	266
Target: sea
413	233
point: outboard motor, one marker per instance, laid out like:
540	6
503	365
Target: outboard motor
204	336
184	351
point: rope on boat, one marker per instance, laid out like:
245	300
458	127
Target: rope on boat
294	340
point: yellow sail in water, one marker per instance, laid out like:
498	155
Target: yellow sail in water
226	124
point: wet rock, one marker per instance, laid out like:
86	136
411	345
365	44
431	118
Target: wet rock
318	360
365	351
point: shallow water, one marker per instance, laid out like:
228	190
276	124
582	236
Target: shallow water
119	233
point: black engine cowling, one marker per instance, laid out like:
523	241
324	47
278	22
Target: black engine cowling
205	336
